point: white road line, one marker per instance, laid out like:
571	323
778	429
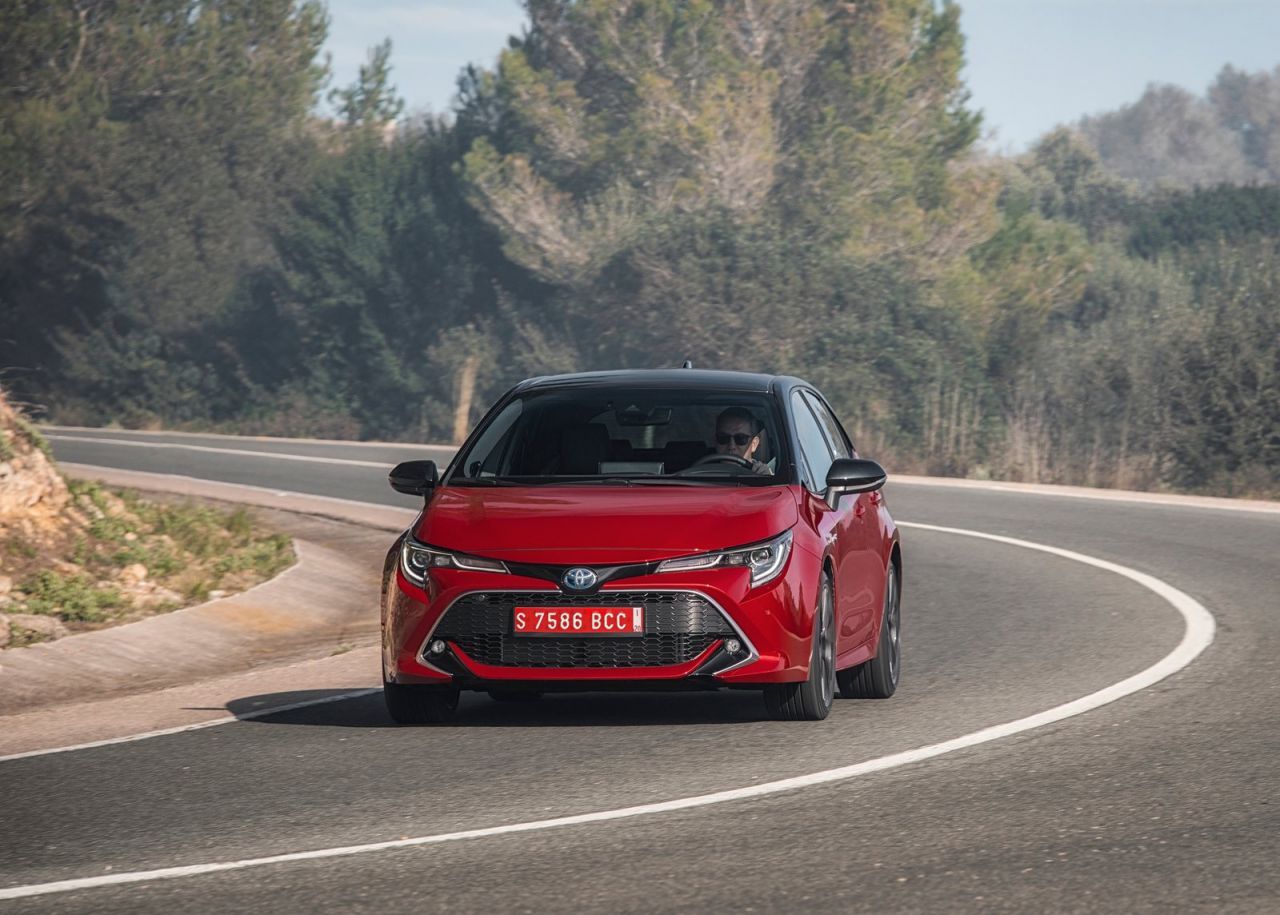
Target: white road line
1197	636
49	430
383	465
200	725
1174	500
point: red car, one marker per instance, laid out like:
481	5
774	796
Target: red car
645	530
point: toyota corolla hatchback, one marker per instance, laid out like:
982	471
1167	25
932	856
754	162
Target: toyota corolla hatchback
645	530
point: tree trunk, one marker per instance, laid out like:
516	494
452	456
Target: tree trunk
466	387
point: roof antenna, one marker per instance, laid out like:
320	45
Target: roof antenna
687	364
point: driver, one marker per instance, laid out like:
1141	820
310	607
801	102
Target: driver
739	433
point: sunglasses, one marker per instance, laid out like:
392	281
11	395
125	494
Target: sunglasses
738	438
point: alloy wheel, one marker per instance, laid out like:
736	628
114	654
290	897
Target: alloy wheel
893	622
826	649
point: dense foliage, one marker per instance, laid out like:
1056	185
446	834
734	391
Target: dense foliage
1171	137
787	186
141	147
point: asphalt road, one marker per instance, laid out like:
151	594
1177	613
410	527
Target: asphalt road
1168	799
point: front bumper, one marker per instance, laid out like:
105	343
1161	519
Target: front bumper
690	622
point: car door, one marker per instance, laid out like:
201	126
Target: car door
834	525
862	572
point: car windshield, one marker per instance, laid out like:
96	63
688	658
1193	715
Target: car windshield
629	436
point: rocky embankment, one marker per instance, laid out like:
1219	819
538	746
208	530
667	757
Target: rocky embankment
33	502
76	556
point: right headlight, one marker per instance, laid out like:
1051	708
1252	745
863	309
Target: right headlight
416	558
765	559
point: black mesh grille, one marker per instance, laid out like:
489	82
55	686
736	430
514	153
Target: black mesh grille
679	626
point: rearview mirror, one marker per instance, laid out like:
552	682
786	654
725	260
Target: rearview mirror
854	475
413	478
635	416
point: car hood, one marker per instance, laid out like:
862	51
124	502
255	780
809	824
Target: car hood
602	524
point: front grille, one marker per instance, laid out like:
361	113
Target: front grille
679	626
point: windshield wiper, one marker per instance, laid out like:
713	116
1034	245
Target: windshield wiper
590	481
678	481
641	481
701	480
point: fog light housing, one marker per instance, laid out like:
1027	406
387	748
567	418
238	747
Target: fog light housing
733	646
437	647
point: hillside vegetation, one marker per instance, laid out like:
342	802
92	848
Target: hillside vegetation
788	186
75	555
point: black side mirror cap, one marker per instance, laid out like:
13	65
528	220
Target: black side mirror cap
855	475
413	478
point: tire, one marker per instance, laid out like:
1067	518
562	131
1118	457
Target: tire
878	678
514	695
419	704
811	699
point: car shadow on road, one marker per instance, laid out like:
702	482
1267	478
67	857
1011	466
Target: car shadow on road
336	708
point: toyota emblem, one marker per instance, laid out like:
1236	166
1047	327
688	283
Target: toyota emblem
579	579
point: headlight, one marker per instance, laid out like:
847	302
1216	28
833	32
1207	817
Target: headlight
764	559
416	558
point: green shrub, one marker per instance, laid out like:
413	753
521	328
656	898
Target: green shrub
70	597
194	528
20	548
112	528
265	557
158	558
240	524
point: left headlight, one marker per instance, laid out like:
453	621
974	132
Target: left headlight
416	558
765	559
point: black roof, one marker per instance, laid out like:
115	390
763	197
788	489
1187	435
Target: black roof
696	379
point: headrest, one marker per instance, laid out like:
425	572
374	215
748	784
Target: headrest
583	447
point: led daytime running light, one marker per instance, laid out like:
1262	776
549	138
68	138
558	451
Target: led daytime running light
417	558
764	559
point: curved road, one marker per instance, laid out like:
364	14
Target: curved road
1168	799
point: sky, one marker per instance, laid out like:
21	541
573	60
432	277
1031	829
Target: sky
1032	64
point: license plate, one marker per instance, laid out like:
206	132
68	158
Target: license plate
588	621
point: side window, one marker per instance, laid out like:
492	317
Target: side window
835	435
813	444
485	458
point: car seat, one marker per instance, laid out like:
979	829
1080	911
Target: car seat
582	448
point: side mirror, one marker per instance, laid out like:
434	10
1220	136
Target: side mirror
413	478
853	475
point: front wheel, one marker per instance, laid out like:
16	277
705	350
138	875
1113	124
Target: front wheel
811	700
878	678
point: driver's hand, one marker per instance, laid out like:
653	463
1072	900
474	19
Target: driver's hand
760	467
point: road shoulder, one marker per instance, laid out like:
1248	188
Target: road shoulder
326	603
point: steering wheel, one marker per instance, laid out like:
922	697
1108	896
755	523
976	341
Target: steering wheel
720	458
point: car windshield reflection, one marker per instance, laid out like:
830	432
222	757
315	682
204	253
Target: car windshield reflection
627	437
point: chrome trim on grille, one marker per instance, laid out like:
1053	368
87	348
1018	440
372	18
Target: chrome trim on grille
752	654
